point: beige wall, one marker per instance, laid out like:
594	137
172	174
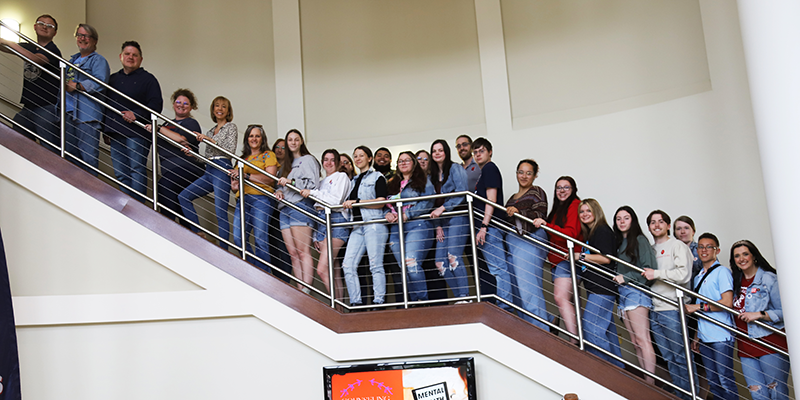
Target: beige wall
375	69
193	44
574	60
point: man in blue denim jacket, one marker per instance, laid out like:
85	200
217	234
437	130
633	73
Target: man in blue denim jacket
84	115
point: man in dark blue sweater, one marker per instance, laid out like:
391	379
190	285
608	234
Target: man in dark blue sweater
130	143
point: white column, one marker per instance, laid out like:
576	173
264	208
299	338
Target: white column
771	36
288	66
494	73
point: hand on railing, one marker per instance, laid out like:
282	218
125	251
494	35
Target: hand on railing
649	273
128	116
437	212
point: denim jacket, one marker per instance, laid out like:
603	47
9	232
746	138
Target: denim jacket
417	207
87	110
456	182
767	298
366	191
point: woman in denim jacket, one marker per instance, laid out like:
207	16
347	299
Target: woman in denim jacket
451	233
368	186
757	298
411	181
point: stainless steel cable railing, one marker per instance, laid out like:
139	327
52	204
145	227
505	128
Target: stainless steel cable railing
472	214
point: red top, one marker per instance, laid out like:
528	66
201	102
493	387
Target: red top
748	348
571	228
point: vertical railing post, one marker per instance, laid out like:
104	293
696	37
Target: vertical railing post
687	349
471	216
331	256
154	154
242	222
63	111
576	295
402	259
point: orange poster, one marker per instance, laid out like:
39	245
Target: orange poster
374	385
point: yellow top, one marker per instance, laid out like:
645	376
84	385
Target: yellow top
263	160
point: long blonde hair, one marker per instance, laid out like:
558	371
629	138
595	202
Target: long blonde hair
599	218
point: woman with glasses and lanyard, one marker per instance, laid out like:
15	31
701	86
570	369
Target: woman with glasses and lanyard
563	218
223	135
257	205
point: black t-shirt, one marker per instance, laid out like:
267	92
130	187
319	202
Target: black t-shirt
167	150
490	179
594	282
40	88
381	190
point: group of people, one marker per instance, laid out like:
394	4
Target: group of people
359	188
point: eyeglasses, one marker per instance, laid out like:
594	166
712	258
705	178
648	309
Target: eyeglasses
405	161
479	151
280	147
526	173
181	103
465	144
82	36
346	162
563	188
46	25
707	248
422	158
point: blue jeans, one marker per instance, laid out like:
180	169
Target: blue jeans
372	239
257	212
494	252
83	141
528	261
42	120
418	240
218	182
666	327
771	369
176	174
718	360
456	234
599	327
129	156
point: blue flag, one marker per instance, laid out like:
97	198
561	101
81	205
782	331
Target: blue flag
9	357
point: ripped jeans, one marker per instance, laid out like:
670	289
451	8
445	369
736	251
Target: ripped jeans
768	374
419	237
372	239
450	253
